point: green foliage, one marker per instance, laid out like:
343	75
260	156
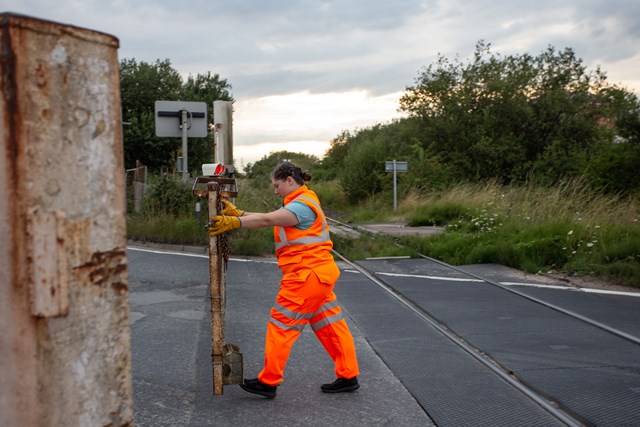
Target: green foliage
517	116
260	171
142	84
168	196
358	160
331	195
363	172
614	168
252	242
181	230
439	214
333	160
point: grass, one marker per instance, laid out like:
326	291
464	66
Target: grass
568	228
182	230
368	246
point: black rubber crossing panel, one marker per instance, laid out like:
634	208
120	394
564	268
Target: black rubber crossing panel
617	311
453	387
589	371
610	395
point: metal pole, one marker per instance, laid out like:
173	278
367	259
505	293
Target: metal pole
185	129
395	193
223	118
216	274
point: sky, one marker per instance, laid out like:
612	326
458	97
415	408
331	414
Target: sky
304	71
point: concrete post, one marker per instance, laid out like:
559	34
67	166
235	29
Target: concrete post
65	340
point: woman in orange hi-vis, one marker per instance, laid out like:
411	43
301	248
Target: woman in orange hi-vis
309	273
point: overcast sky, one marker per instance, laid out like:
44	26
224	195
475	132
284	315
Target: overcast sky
303	71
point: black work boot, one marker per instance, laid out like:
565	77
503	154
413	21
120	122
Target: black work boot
341	385
257	387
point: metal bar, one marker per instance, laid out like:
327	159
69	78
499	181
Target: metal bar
223	118
395	187
179	114
185	148
216	275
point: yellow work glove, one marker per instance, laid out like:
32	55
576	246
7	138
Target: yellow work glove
230	209
221	223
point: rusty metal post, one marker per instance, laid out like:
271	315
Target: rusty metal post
216	284
65	341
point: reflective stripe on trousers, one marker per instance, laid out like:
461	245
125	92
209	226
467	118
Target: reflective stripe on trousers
302	319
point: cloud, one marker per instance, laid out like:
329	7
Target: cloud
317	67
270	47
308	117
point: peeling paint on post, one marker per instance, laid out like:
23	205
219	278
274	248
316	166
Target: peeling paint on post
65	341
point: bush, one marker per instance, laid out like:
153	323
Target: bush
168	196
440	214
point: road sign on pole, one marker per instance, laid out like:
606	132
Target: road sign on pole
181	119
395	167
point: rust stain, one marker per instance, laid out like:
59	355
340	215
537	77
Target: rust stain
77	237
11	121
100	127
42	76
106	269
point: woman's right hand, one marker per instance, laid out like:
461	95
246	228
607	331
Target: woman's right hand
230	210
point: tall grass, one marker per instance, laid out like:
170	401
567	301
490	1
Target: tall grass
567	228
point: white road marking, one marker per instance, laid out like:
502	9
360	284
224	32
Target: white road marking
163	252
533	285
419	276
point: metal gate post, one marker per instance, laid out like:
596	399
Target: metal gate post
216	283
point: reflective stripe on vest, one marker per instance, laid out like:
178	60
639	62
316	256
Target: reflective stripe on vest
294	315
307	240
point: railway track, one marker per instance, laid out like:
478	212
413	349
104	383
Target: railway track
555	407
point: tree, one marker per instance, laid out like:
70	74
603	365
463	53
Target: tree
260	171
333	160
142	84
514	116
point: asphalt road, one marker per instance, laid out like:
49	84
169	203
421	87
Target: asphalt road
171	349
411	374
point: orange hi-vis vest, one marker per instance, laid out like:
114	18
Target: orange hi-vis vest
300	252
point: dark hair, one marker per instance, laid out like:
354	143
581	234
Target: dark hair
288	169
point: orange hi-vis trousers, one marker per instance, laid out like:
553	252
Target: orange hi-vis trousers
298	304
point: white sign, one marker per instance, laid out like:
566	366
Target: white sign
169	119
399	166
